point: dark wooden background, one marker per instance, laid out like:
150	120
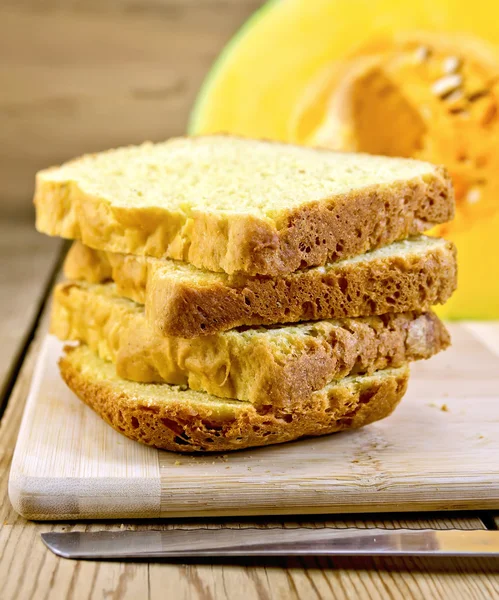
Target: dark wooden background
84	75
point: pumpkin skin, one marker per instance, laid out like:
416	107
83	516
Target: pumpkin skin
285	76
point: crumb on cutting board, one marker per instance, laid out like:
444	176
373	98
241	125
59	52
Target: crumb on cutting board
442	407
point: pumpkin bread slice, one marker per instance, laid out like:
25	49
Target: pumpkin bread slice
281	366
183	301
230	204
177	418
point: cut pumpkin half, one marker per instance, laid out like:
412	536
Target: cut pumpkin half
384	77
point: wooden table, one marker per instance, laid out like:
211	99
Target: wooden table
29	264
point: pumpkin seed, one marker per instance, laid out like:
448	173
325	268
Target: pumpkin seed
446	85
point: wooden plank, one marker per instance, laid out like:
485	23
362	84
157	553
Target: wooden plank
171	7
114	72
488	334
27	260
387	466
29	570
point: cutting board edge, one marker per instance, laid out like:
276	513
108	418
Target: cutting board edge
333	509
38	498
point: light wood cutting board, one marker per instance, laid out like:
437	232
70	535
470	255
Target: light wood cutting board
438	451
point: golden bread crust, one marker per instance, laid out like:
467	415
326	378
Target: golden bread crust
170	418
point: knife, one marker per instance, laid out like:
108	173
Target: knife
177	543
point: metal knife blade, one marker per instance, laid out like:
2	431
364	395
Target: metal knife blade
175	543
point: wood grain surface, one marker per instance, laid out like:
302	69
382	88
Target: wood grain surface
27	261
79	77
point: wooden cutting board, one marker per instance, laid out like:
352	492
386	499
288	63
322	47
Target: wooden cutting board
438	451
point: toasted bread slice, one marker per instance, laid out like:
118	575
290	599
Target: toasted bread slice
231	204
187	302
177	418
281	366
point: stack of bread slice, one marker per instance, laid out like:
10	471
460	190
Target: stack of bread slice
229	293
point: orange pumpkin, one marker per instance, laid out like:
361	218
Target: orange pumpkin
386	77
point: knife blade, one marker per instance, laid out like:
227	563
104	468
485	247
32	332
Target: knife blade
177	543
